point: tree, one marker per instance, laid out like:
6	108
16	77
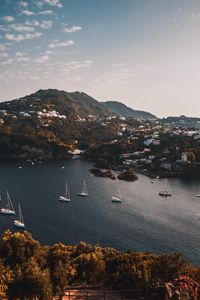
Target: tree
61	268
90	267
167	267
27	259
6	276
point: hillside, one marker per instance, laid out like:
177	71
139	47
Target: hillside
127	112
72	104
49	123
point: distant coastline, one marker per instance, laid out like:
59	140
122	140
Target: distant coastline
56	125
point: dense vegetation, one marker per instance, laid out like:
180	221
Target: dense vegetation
127	112
24	133
28	269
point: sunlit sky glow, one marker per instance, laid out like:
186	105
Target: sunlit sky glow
144	53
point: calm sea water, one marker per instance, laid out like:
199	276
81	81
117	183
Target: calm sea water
144	221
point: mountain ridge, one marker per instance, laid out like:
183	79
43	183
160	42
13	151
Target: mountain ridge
74	103
128	112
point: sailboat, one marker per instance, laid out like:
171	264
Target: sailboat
117	198
20	222
165	193
84	192
65	198
9	210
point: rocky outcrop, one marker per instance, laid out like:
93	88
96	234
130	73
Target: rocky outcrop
128	176
99	173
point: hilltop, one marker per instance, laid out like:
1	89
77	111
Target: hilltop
49	123
73	105
127	112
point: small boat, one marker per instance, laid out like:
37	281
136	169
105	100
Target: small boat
164	194
20	222
84	192
75	156
9	210
198	195
65	198
117	198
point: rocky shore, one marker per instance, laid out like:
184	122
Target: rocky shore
100	173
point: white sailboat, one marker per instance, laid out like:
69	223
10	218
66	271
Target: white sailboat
84	192
165	193
117	198
20	222
65	198
9	210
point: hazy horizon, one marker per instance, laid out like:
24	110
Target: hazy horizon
144	54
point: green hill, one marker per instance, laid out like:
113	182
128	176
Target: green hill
49	123
127	112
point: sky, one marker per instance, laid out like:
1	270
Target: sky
144	53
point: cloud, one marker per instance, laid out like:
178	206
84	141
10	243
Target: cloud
3	28
149	68
22	28
119	76
56	3
73	29
21	57
3	55
32	77
21	37
196	16
53	3
64	44
46	24
23	3
20	54
35	23
8	19
118	65
2	47
27	12
75	65
32	23
46	12
8	62
42	59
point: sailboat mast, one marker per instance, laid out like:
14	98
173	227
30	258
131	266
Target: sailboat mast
20	215
119	194
85	187
9	202
19	208
67	191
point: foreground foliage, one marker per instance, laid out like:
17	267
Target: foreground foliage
29	270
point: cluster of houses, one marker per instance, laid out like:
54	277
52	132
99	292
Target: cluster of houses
150	136
40	114
154	156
